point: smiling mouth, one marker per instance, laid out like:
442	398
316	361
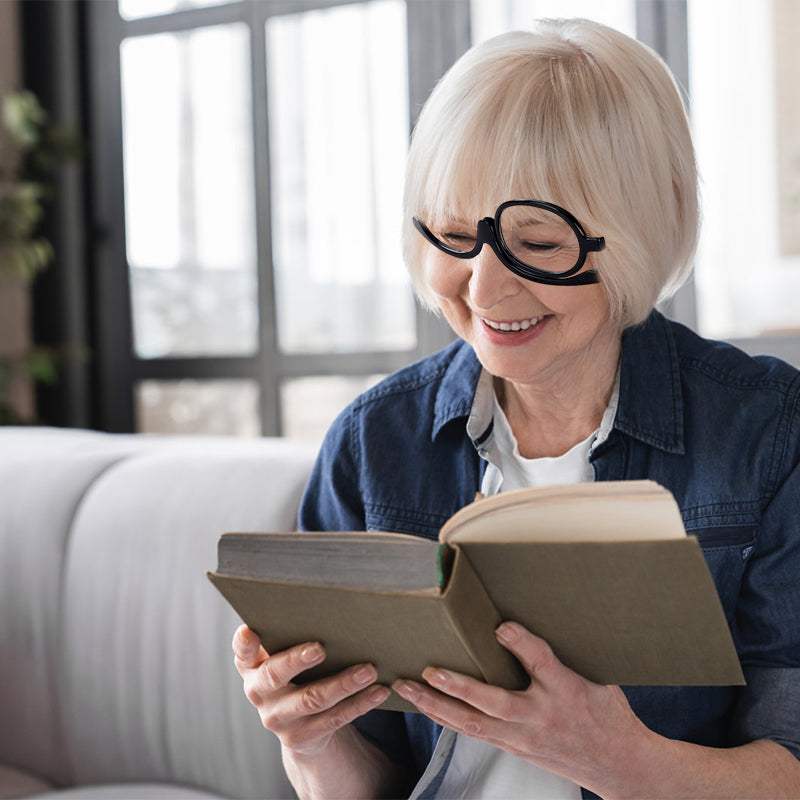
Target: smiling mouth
512	327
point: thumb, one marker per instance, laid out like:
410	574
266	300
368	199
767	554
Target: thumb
533	652
247	650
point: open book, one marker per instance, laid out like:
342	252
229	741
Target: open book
604	572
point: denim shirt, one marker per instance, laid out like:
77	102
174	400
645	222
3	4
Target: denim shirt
718	428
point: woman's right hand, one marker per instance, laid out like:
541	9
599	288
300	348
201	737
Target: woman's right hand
305	718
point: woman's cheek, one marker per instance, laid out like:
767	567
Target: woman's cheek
445	275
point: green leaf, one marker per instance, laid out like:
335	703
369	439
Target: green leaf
40	365
23	117
26	259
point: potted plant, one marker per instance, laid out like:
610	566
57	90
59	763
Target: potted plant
31	147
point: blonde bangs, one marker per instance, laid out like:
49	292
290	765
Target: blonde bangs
487	146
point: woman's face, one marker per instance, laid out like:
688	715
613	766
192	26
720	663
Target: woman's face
521	331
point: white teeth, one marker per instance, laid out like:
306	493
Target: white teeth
517	325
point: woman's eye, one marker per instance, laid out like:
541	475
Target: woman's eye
539	247
458	239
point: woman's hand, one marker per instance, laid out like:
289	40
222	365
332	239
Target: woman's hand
589	733
322	753
561	722
305	717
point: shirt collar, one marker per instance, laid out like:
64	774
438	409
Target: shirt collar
650	401
458	386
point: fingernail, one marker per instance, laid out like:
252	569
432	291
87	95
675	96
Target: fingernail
365	674
506	633
312	653
435	677
405	689
377	694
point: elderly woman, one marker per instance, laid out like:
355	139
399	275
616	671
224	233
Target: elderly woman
551	201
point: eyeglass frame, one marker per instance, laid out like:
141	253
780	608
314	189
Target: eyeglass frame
489	232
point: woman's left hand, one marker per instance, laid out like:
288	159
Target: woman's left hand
561	722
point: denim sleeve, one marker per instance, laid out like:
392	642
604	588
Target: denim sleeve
768	611
768	616
332	498
769	707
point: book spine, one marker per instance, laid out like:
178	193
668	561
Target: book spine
474	618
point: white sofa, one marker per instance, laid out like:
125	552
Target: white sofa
116	673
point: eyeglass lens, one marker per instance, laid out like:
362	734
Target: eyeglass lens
536	236
539	238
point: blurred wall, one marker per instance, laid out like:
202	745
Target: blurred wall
9	42
15	323
787	80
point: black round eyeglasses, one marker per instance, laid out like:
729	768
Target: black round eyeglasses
538	241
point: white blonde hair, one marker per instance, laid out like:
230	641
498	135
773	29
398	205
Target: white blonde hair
577	114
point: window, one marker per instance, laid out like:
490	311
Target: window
253	260
338	108
490	17
744	84
188	178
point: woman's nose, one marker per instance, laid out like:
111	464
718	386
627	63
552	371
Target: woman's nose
491	281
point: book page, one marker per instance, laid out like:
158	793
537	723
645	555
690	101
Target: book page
585	512
357	560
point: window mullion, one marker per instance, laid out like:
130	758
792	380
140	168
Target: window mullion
113	340
268	370
663	25
438	34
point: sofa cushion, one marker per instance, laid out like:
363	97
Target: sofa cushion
150	691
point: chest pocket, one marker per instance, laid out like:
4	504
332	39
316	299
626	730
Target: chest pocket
727	551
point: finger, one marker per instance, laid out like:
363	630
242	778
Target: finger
321	696
247	650
324	694
275	673
534	653
282	668
490	700
319	726
426	700
449	711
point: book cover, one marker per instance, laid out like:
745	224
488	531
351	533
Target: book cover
604	572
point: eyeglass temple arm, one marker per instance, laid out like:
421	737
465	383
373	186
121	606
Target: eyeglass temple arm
594	244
